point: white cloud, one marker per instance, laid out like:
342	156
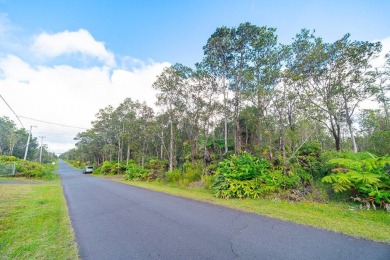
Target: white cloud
79	42
67	94
70	95
380	60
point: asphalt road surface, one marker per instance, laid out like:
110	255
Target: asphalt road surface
116	221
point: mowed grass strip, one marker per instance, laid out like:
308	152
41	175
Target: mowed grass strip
34	222
339	217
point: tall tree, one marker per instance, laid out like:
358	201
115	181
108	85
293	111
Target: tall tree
218	56
170	84
332	78
266	60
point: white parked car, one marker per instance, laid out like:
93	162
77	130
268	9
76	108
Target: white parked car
88	169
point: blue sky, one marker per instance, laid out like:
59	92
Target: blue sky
55	55
175	31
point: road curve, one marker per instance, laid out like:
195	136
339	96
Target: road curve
115	221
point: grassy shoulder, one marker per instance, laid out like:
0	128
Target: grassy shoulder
34	222
339	217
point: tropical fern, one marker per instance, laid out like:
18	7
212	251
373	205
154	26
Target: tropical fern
369	177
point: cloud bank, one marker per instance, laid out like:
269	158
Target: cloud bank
78	42
69	94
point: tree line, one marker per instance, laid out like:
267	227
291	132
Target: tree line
13	142
251	93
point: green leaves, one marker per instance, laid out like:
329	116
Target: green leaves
135	172
367	178
245	176
243	167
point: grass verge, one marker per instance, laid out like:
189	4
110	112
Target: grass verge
339	217
34	222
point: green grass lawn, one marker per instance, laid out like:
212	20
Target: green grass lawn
339	217
34	222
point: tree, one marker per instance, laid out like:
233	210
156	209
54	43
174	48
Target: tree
266	61
353	81
205	93
218	58
170	84
332	78
382	87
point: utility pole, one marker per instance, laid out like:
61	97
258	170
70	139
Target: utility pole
28	142
40	154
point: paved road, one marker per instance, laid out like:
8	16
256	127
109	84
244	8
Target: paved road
116	221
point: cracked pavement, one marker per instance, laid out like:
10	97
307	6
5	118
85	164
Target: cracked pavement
116	221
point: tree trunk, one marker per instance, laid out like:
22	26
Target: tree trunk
225	97
246	134
237	133
162	144
171	148
335	130
259	123
128	154
349	122
143	154
119	150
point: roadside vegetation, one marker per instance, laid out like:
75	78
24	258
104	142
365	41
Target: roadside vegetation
30	169
34	221
257	122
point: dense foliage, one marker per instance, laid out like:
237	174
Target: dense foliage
245	176
253	118
30	169
366	179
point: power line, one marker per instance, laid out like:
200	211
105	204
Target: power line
42	121
12	110
57	134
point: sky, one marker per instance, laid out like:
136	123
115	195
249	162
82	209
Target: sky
62	61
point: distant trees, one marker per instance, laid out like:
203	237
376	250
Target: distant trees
13	141
250	93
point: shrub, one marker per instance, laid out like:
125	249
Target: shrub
106	167
308	158
227	188
192	171
209	181
31	169
157	168
4	158
173	176
368	178
285	181
118	168
246	176
242	167
135	172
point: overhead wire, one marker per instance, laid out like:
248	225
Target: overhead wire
2	76
12	111
52	123
57	134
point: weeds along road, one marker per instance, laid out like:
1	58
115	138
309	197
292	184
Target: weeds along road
116	221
